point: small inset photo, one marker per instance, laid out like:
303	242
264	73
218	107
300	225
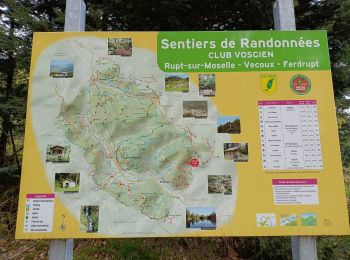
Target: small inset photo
196	109
89	219
289	220
207	86
67	182
308	219
220	184
61	68
177	82
229	124
120	46
201	217
57	153
237	152
266	220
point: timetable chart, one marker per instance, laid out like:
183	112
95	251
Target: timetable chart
289	133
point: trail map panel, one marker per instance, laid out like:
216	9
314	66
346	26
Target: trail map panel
180	134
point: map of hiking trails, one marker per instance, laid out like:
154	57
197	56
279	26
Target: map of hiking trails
136	164
180	134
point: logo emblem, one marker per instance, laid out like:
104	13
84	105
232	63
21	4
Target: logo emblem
300	84
268	84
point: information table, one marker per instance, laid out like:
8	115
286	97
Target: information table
290	137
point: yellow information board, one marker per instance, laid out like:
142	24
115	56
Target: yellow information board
146	134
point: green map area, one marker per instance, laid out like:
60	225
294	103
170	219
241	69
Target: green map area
133	147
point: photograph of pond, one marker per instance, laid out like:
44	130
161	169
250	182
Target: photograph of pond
201	217
220	184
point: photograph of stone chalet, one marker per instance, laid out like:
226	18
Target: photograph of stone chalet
57	153
236	151
67	182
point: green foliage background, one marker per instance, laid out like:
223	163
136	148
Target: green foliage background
20	18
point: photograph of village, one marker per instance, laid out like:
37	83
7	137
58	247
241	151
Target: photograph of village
229	124
120	46
220	184
89	219
236	151
67	182
201	217
196	109
61	68
177	82
57	153
207	87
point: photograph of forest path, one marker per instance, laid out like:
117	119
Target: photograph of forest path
20	19
120	46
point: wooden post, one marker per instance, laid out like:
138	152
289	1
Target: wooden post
283	15
62	249
74	20
303	247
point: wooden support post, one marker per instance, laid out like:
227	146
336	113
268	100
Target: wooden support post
283	15
74	20
62	249
303	247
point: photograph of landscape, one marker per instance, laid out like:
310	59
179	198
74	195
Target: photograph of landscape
61	68
196	109
229	124
177	82
220	184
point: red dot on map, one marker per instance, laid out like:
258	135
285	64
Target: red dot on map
194	162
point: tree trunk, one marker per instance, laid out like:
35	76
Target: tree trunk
6	117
